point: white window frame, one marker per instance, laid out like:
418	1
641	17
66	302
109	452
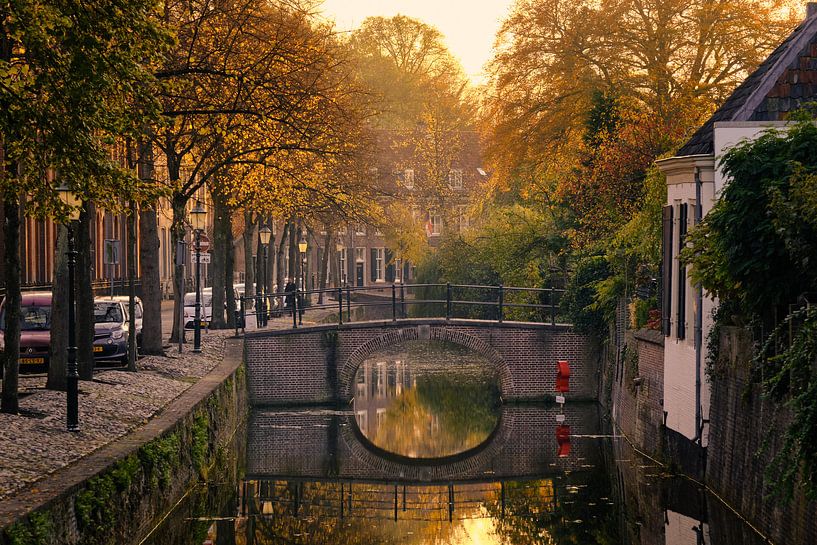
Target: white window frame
408	178
455	178
380	268
436	224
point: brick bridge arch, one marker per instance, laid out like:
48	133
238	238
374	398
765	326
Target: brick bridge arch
397	336
317	364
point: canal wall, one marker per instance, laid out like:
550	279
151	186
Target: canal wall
317	365
114	495
746	431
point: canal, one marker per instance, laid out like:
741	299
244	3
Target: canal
428	453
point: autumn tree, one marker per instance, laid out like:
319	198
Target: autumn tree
670	64
73	76
250	80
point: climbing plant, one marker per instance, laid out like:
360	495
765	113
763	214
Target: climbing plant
755	251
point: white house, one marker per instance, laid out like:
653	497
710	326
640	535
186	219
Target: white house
784	82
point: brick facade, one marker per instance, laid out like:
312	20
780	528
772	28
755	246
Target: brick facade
318	364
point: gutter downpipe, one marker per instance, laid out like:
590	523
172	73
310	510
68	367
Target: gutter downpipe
699	314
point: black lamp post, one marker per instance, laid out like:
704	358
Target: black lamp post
265	233
70	199
198	217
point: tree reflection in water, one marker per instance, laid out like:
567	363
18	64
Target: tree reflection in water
426	399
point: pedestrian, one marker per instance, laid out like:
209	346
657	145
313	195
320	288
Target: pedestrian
289	290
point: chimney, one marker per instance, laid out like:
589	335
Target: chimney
811	10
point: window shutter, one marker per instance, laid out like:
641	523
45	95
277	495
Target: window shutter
390	266
682	284
666	268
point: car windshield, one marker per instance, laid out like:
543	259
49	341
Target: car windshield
107	313
190	299
32	318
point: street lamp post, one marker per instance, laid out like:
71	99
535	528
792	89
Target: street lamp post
302	246
70	199
265	233
198	216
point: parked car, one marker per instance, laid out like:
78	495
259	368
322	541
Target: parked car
206	305
111	330
35	330
190	308
138	311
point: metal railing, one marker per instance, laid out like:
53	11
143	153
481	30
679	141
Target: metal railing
399	301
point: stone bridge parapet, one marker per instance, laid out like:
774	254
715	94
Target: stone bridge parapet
317	365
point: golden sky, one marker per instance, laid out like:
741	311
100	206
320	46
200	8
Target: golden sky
469	26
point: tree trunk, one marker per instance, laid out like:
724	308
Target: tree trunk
58	356
132	287
11	339
149	260
85	294
179	204
324	266
2	245
279	258
221	238
293	254
259	262
229	273
334	264
249	268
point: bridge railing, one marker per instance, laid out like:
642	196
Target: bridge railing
397	301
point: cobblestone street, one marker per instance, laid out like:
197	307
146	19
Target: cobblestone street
35	443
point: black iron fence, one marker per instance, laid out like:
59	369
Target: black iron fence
399	301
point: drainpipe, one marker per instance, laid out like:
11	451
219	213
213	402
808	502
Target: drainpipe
699	315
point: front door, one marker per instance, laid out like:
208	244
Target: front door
359	274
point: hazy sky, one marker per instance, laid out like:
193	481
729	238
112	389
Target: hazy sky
469	26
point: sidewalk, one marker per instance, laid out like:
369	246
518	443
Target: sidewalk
35	443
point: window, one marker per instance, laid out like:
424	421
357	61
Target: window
436	222
408	178
360	230
342	264
359	258
682	280
455	178
378	258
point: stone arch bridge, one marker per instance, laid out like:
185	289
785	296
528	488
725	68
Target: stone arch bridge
317	365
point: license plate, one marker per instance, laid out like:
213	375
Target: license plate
98	349
31	361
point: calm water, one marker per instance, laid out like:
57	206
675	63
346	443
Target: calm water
427	454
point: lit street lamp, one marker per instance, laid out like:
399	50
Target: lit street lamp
69	198
265	233
302	246
198	217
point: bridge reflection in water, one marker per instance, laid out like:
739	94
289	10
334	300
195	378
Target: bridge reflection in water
307	477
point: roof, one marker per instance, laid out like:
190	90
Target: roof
785	81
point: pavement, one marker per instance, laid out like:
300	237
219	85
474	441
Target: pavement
35	443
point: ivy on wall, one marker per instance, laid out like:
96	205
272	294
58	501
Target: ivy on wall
756	252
